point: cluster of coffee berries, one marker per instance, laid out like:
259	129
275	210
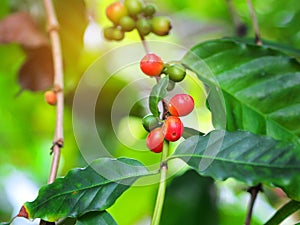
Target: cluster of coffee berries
134	14
171	129
152	65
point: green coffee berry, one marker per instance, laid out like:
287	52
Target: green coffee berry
118	35
113	33
134	7
176	72
161	25
127	23
108	33
149	10
150	122
144	26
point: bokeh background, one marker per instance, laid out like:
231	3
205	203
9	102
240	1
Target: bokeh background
27	122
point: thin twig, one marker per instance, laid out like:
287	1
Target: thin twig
240	28
253	191
145	45
258	40
58	141
285	211
58	84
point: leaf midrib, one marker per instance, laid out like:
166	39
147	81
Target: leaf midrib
238	162
107	182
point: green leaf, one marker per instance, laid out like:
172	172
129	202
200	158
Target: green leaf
190	198
67	221
189	132
99	218
94	188
274	45
246	157
253	88
4	223
158	92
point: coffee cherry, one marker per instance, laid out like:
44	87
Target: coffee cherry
118	35
151	64
144	26
161	25
150	122
181	105
149	10
50	97
113	33
134	7
172	128
155	140
127	23
176	72
116	11
108	33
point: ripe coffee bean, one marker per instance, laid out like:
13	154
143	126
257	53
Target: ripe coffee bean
181	105
172	128
155	140
151	64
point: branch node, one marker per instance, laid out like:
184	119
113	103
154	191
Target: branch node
57	88
163	164
52	28
59	143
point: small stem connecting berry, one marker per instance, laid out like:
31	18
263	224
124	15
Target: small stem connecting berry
162	187
145	45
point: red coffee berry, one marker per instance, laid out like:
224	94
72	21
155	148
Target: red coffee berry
181	105
152	65
155	140
172	128
50	97
116	11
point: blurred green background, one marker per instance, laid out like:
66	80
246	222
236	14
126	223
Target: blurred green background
27	122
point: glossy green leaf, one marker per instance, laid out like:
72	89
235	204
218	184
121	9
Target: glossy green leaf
99	218
253	88
189	132
246	157
158	92
4	223
94	188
